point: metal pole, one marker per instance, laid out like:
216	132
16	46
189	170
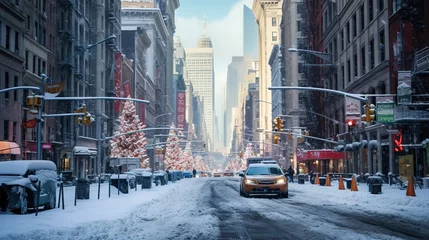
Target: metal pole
368	137
379	155
39	119
361	152
390	153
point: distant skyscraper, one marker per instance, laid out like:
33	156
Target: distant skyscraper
250	34
200	71
237	69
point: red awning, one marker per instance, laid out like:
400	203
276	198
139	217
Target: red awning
321	154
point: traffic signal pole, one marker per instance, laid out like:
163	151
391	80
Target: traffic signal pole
40	120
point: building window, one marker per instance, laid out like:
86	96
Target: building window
335	48
7	37
370	10
39	67
349	70
274	21
354	26
6	85
396	5
6	130
362	18
274	36
380	5
28	22
355	63
343	76
15	93
14	131
342	40
298	26
362	58
16	42
34	64
26	59
371	53
381	46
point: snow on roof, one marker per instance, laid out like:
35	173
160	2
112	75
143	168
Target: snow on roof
20	167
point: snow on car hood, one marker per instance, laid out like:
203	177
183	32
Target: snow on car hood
25	182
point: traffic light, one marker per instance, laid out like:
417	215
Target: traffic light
81	119
369	115
351	123
307	133
281	125
276	124
34	102
87	119
240	154
276	139
289	136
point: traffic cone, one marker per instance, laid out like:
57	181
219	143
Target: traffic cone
317	180
410	187
328	180
341	184
354	185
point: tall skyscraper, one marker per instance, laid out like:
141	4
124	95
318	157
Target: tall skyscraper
237	69
250	34
200	69
268	14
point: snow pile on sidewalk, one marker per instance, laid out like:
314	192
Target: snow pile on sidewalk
143	214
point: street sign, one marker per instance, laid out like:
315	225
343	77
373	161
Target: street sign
384	113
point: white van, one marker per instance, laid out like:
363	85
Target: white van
19	180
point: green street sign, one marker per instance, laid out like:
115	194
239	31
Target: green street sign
384	113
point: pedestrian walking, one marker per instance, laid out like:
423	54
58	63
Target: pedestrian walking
194	172
291	172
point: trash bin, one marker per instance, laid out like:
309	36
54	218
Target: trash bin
348	182
374	184
313	177
322	181
301	178
82	188
120	182
146	180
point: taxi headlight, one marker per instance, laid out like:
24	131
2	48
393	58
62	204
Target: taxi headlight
281	181
248	181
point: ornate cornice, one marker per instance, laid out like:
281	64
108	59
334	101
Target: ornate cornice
145	14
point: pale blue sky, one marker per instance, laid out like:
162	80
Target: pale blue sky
224	27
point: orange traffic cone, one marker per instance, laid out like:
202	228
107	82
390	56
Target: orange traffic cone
410	187
328	181
317	182
354	185
341	184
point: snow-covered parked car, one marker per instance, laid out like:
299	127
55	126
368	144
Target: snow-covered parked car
19	180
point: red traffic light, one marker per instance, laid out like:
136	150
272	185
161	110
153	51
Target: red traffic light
351	123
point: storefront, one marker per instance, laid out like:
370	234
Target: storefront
321	161
84	160
9	150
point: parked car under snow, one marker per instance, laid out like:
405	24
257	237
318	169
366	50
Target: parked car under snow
19	180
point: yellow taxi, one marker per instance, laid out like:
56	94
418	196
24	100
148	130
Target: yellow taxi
263	179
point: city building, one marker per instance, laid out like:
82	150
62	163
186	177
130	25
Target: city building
200	72
250	34
12	59
237	69
268	14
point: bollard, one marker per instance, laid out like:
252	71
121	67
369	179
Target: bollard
59	194
75	194
99	183
38	198
118	183
62	194
109	186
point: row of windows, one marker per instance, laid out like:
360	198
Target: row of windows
9	81
9	38
331	12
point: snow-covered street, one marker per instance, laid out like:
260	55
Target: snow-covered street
211	208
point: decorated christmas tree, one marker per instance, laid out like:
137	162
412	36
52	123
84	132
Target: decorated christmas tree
130	145
187	161
200	164
172	151
248	153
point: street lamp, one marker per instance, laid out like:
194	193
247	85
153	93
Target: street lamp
322	55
